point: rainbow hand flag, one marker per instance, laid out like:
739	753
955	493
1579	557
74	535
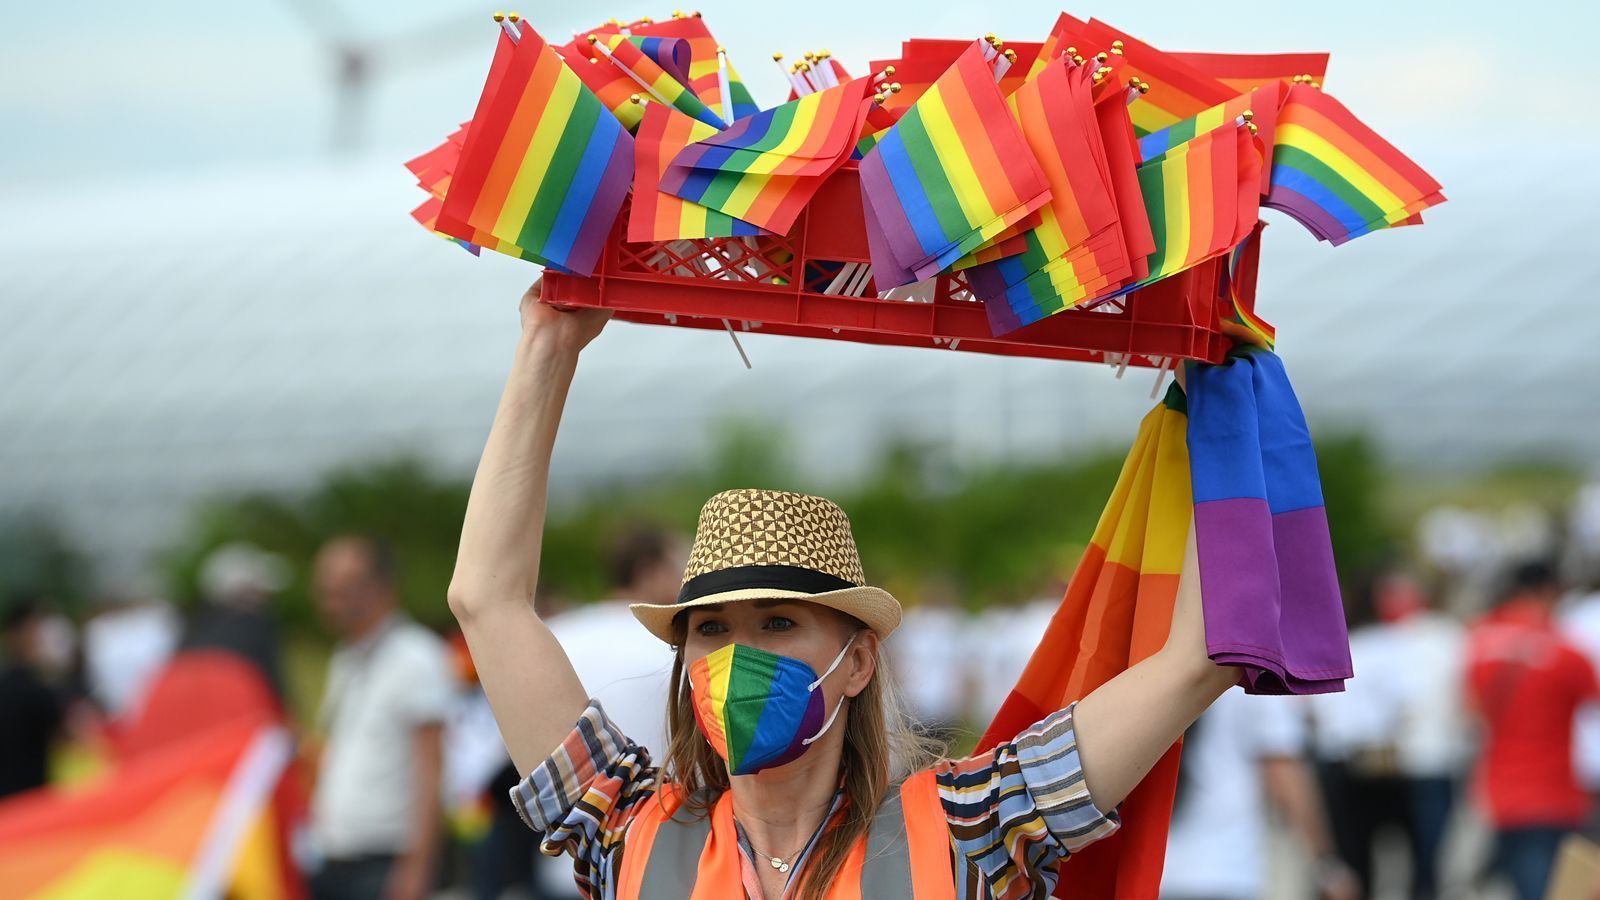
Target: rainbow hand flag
1077	249
1245	72
1338	177
1266	566
1201	197
673	55
766	167
1177	90
544	169
653	82
657	215
1116	612
704	70
1262	103
952	174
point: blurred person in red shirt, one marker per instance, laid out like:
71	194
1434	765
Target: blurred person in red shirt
1526	683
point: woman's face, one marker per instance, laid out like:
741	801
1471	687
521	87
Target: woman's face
796	628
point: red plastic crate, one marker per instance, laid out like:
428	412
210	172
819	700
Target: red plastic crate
774	284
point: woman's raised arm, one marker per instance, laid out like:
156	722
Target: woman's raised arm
1125	725
534	692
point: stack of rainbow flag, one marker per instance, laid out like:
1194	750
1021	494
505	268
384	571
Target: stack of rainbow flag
1052	175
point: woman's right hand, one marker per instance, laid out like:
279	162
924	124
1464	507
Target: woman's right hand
566	329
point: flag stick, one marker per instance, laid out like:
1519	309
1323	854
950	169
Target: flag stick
594	41
508	23
788	74
722	85
731	333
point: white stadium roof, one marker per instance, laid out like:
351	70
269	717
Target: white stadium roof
250	328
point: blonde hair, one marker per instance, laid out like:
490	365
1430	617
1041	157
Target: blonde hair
883	744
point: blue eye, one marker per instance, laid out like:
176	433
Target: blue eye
709	628
779	623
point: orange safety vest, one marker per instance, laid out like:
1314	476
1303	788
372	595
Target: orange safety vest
904	856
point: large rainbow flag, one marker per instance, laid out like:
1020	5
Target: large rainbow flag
1116	612
657	215
544	167
191	820
1219	496
1337	176
953	174
766	167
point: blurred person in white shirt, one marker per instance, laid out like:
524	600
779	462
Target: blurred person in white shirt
1244	756
376	809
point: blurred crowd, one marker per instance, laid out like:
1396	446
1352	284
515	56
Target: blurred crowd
1462	755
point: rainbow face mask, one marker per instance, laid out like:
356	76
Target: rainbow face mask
758	709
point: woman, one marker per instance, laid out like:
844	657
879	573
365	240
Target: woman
789	773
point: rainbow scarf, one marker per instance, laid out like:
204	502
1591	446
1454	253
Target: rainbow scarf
754	735
660	216
953	174
766	167
1266	568
544	168
1338	177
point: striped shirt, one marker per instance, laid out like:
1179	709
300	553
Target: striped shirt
1014	812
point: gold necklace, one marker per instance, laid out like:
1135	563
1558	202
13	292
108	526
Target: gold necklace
777	862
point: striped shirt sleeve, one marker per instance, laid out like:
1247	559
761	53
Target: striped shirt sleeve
584	796
1018	810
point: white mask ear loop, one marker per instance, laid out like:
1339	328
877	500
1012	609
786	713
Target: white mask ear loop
837	706
835	664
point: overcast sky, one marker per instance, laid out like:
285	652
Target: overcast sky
115	90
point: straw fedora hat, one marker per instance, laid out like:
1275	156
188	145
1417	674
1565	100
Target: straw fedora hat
755	544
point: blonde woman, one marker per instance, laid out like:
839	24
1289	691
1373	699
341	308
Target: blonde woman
790	772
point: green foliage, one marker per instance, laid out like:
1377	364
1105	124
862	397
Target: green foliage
995	532
402	502
36	557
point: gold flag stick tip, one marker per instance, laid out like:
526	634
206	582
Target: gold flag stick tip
1248	115
514	16
593	38
777	57
1011	54
1116	47
1102	56
635	98
499	17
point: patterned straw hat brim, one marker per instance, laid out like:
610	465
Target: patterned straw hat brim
758	544
875	607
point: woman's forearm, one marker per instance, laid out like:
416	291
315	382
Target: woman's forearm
498	560
1126	725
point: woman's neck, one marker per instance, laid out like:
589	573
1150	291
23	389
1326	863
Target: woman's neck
781	808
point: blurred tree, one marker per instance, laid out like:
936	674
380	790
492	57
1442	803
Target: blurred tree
37	557
1001	531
